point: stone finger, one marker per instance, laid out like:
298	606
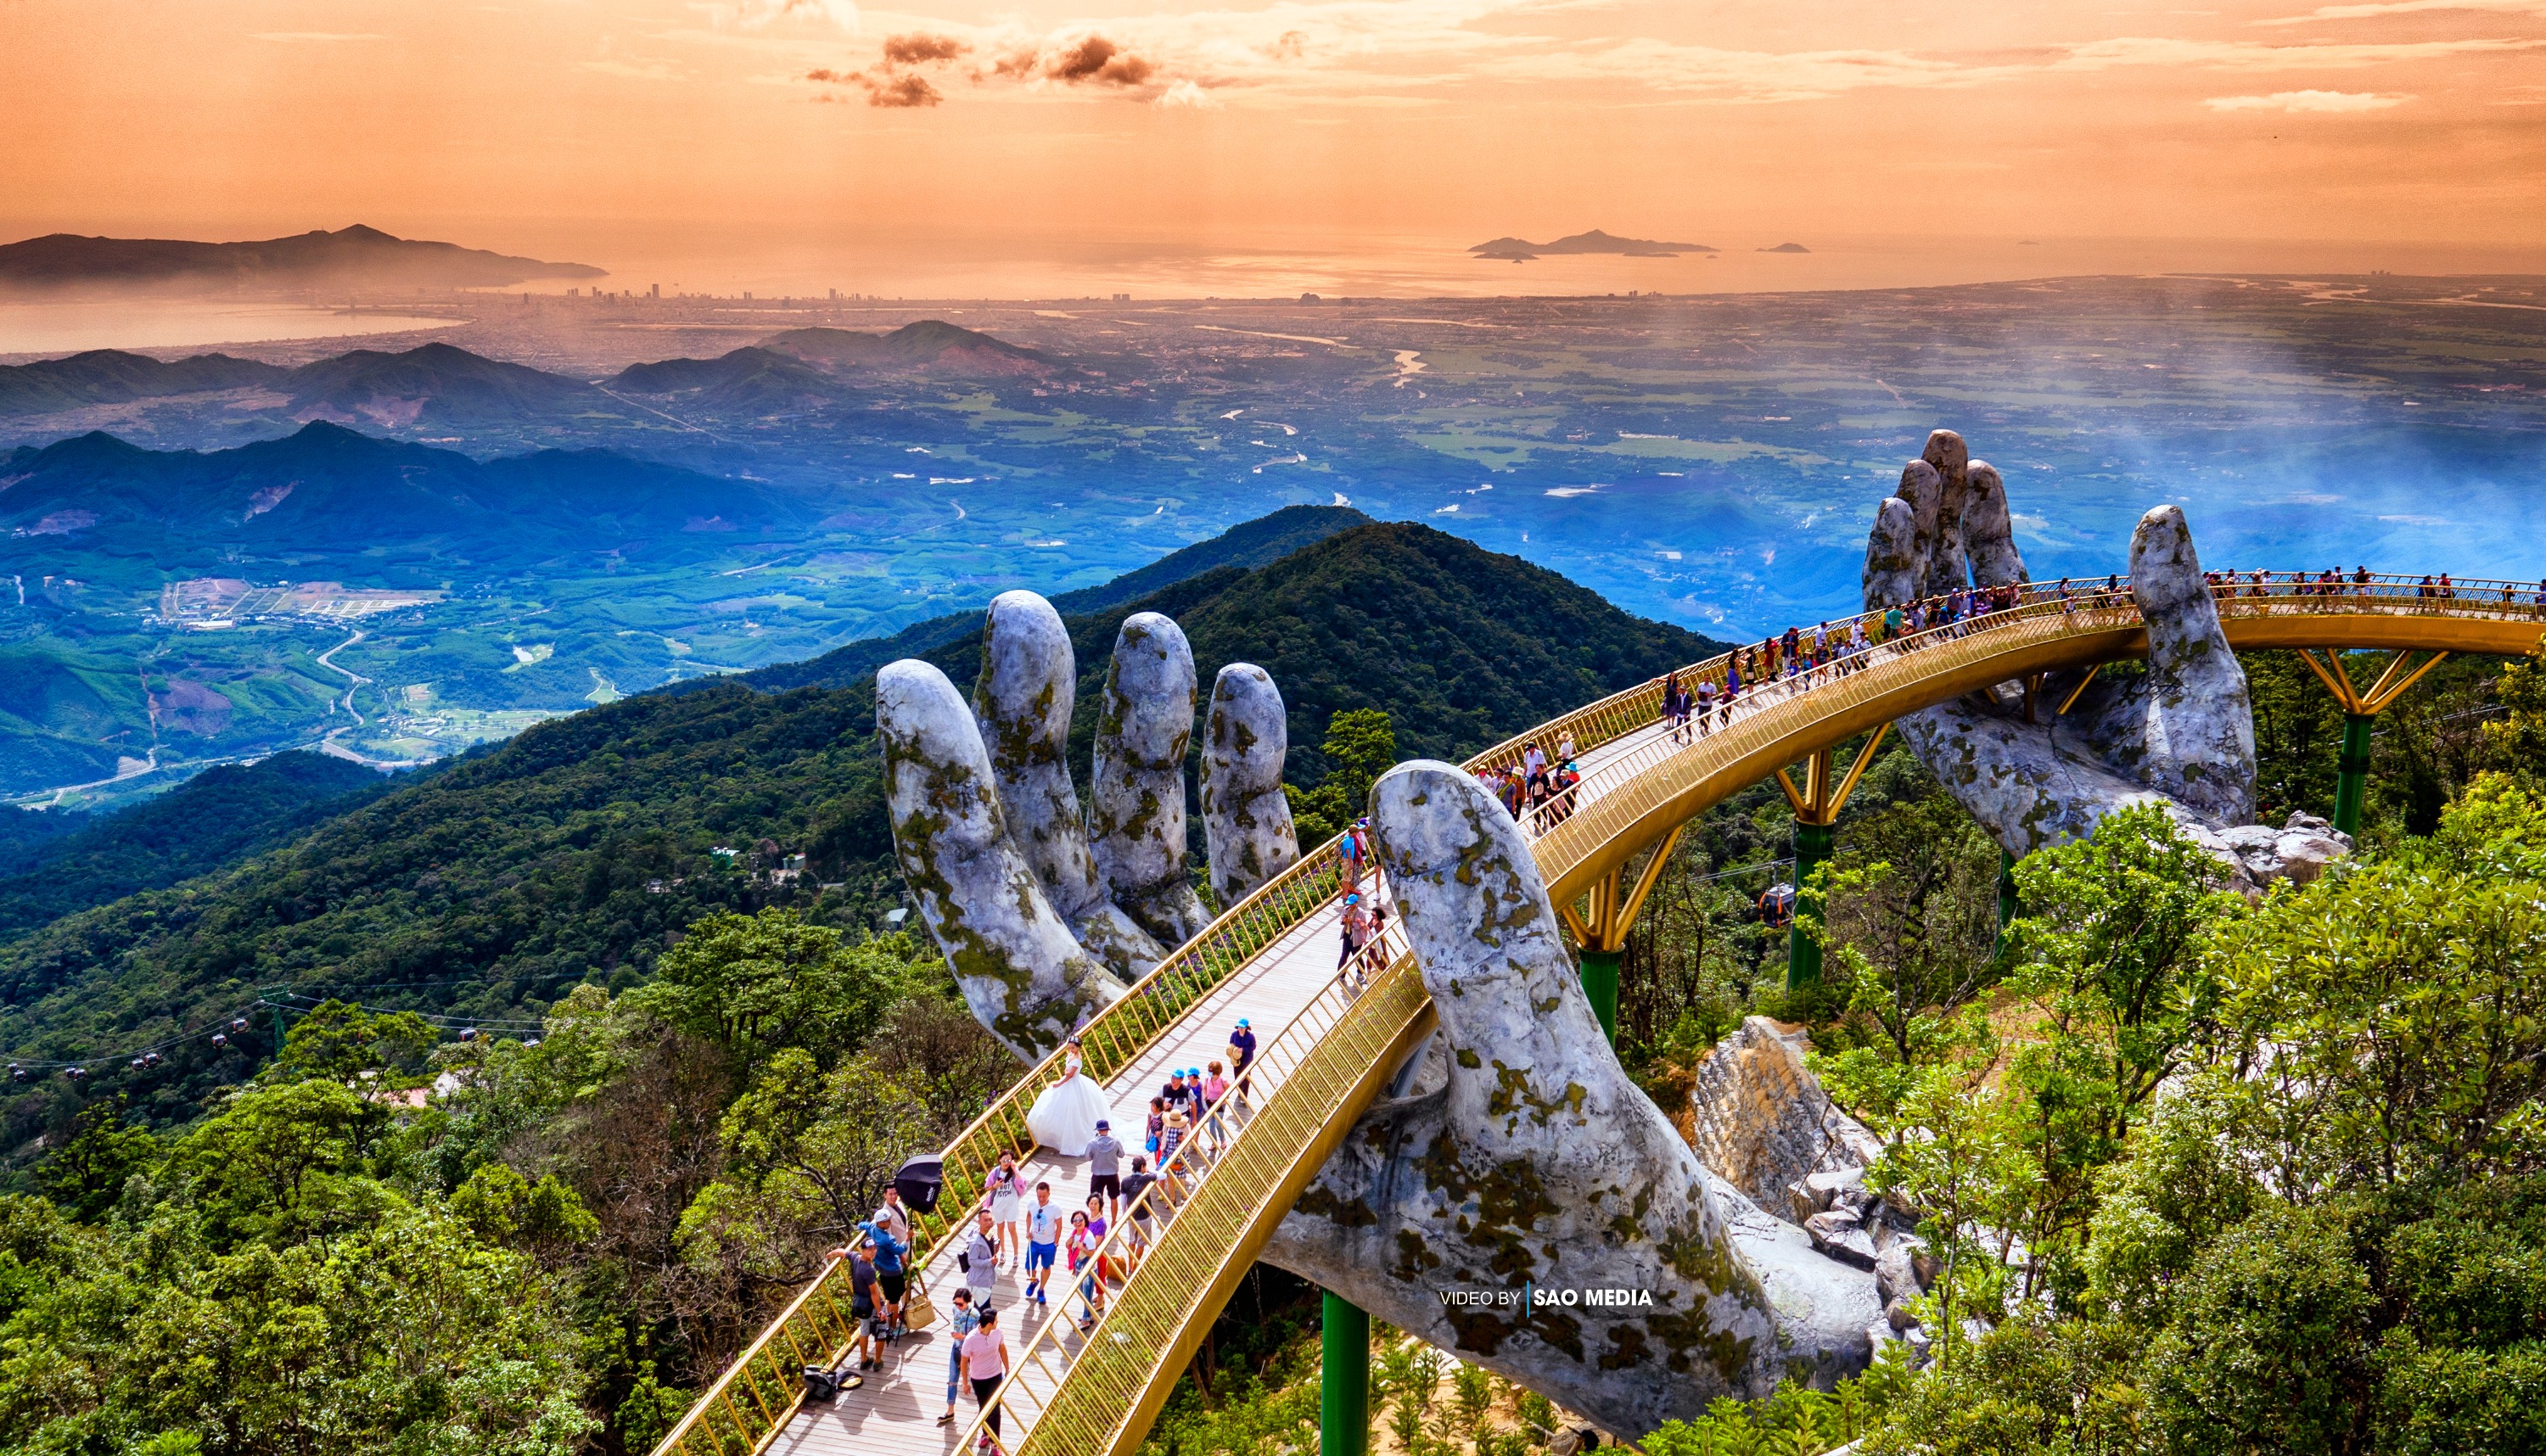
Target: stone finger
1020	970
1022	703
1137	826
2198	738
1893	569
1988	528
1948	569
1245	819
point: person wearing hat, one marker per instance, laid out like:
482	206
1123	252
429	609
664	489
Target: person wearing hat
1105	1166
1175	1091
1242	1054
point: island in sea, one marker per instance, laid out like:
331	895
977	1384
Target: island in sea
356	255
1521	249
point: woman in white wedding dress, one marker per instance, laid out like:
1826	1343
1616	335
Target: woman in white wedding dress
1063	1118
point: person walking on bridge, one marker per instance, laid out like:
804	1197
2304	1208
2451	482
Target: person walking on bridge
962	1322
981	1264
1007	1207
986	1364
1105	1164
1241	1051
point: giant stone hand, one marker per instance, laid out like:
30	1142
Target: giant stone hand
1044	913
2181	735
1534	1162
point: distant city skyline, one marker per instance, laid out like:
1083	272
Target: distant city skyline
1025	132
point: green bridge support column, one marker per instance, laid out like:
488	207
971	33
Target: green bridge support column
2007	906
2351	784
1803	954
1600	984
1343	1394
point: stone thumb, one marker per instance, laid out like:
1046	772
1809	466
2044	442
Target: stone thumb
2184	636
1477	915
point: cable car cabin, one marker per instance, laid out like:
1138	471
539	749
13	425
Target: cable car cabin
1777	906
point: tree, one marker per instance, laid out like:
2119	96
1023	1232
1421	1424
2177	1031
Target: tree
832	1142
542	1218
1360	746
341	1042
2269	1350
1960	1157
2110	956
1911	918
2520	740
755	984
86	1175
2389	1019
265	1167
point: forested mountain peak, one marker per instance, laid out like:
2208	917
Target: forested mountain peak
581	847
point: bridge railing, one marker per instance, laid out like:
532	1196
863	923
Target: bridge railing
755	1396
1136	1323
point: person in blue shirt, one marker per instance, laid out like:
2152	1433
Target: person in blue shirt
890	1282
1042	1242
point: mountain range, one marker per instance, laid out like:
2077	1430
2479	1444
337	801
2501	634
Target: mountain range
1521	249
445	385
356	256
329	489
573	849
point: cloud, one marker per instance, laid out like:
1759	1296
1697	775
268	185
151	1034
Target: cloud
644	70
299	38
753	14
921	48
903	90
2321	102
2254	56
883	86
1746	75
2323	12
1398	53
1100	61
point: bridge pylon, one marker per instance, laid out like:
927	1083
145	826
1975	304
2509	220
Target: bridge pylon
2361	711
1600	935
1817	804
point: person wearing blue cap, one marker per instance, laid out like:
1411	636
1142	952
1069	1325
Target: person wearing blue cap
1242	1054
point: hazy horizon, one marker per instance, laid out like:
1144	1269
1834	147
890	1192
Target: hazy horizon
721	134
689	259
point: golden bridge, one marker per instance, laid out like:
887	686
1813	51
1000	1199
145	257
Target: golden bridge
1333	1040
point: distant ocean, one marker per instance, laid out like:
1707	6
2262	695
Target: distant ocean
1058	268
73	325
1273	265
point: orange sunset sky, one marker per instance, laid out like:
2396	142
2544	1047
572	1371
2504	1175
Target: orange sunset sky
552	122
